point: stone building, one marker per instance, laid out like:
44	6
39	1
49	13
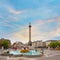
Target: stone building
38	44
18	44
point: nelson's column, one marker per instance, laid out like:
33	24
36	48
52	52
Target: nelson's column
29	42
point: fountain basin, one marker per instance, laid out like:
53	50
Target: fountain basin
30	53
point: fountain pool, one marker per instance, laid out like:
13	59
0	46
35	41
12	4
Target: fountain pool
30	53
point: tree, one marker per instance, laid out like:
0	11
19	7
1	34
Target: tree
53	44
58	44
5	43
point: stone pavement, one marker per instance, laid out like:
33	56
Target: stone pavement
50	53
57	57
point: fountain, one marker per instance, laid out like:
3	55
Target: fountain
24	50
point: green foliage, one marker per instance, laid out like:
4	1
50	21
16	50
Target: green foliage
5	44
54	44
59	44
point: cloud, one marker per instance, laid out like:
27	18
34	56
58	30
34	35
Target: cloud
55	32
55	20
39	35
9	16
21	35
42	22
11	10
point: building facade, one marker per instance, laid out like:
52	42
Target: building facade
38	44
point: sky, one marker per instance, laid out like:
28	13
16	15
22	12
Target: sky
44	16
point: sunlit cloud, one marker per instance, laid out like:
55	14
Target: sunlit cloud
11	10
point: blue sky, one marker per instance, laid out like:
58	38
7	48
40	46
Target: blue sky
44	16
